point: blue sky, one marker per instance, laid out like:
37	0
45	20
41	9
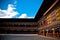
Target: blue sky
19	8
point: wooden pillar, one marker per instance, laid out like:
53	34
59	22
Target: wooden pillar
43	33
53	32
46	32
39	32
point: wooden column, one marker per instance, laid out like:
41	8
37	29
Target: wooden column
53	32
43	33
46	32
39	32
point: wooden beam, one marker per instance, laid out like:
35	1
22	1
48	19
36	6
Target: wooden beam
50	7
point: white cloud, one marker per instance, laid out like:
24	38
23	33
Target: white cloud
10	8
24	15
15	2
9	13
